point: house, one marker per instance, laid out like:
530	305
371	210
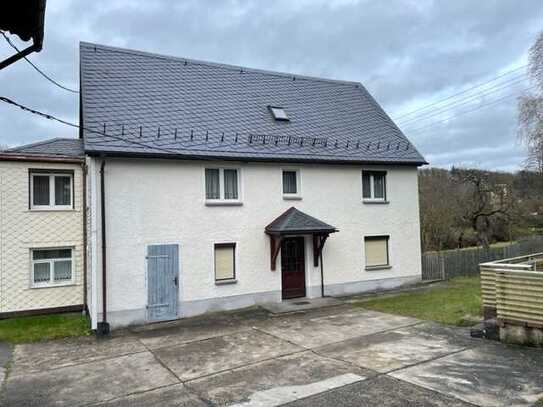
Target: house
216	187
42	256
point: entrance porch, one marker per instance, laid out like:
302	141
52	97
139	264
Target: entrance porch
287	236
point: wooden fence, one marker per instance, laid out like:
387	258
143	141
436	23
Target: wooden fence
512	291
452	263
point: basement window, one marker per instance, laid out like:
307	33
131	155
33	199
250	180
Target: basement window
376	251
279	113
225	263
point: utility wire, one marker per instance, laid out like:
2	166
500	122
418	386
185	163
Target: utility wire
461	102
420	130
460	93
67	123
35	67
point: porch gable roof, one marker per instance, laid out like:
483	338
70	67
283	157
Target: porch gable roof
294	221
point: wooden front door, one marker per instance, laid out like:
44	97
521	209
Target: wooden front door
293	267
162	281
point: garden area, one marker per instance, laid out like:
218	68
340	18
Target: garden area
43	327
454	302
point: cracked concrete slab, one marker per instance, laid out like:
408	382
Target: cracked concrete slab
169	396
277	381
210	356
312	331
382	391
88	383
6	352
37	357
390	350
489	375
196	329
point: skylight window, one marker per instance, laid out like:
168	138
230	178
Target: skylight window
278	113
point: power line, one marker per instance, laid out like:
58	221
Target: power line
422	129
67	123
460	93
461	102
35	67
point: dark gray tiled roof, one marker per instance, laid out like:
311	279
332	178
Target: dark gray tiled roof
70	147
208	110
295	221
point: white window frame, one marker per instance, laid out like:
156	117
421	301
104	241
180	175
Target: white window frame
236	262
222	201
372	187
298	194
389	261
51	282
52	206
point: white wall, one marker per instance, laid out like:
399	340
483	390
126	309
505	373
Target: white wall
162	201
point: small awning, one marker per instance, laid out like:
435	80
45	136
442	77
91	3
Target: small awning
295	222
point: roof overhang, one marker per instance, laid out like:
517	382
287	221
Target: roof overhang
41	158
26	20
292	160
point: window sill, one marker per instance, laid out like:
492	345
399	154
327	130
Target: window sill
375	268
224	203
374	202
68	284
292	197
225	282
52	209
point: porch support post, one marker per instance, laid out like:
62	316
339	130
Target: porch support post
275	246
318	244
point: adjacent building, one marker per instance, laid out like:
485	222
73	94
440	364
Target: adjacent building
42	255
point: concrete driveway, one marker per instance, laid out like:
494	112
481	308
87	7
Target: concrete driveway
336	356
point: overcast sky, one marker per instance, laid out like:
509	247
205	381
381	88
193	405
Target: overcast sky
407	53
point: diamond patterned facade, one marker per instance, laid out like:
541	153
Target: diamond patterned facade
22	229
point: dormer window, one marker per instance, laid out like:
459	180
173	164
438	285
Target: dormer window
279	113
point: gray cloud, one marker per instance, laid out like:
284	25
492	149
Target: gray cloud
406	52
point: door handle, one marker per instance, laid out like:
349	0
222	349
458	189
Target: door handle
175	281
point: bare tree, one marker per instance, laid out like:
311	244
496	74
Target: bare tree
531	110
485	203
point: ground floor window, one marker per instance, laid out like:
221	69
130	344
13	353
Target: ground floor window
376	249
225	261
51	267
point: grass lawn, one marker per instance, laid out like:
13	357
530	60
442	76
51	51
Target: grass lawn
458	302
43	327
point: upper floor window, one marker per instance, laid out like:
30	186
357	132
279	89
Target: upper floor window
291	184
222	184
51	267
374	186
51	190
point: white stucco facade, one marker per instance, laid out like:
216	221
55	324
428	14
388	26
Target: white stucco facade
23	229
151	201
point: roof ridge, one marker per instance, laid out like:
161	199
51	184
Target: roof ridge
238	68
39	143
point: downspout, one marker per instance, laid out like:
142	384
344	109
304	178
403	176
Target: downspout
85	249
103	327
